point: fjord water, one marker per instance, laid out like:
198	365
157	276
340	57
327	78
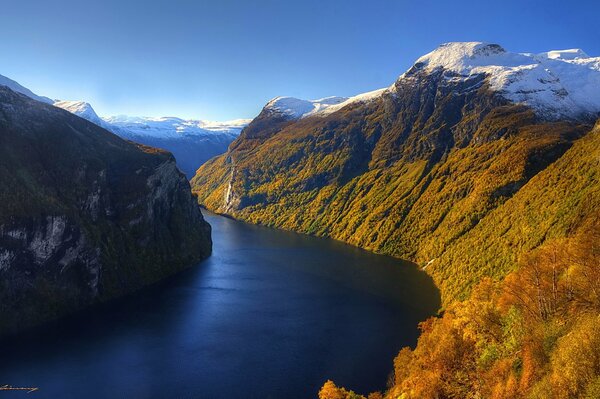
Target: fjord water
271	314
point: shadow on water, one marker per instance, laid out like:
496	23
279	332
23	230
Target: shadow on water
271	314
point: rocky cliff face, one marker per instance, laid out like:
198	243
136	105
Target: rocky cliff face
84	215
419	170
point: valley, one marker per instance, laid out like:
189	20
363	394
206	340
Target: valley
445	228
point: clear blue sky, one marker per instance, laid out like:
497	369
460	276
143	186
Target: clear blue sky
224	59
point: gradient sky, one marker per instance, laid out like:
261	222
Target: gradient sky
225	59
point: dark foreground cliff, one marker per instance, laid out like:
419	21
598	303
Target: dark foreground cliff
84	215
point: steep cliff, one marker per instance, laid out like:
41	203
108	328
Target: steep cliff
85	216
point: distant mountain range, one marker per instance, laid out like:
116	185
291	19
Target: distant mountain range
192	142
448	166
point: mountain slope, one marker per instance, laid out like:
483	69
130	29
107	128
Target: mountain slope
14	86
423	169
84	215
534	334
557	202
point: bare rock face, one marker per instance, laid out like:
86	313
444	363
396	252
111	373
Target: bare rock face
84	215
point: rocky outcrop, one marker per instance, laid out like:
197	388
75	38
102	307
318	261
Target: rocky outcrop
84	215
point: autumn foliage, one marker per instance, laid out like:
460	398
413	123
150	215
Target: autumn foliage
536	334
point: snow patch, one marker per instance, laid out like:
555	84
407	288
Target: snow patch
570	54
360	98
46	241
295	108
6	259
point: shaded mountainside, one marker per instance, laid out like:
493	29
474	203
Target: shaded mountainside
84	215
440	169
15	86
192	142
190	151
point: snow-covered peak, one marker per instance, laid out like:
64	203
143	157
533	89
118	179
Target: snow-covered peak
556	84
116	119
80	108
295	108
167	127
463	57
14	86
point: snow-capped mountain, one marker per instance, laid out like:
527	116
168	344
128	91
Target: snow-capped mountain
464	149
156	127
82	109
14	86
556	84
172	127
192	142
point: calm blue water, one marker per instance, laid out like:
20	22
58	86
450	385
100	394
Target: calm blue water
271	314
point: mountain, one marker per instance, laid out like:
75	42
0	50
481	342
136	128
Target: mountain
172	127
14	86
535	333
82	109
85	216
193	142
449	166
557	85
